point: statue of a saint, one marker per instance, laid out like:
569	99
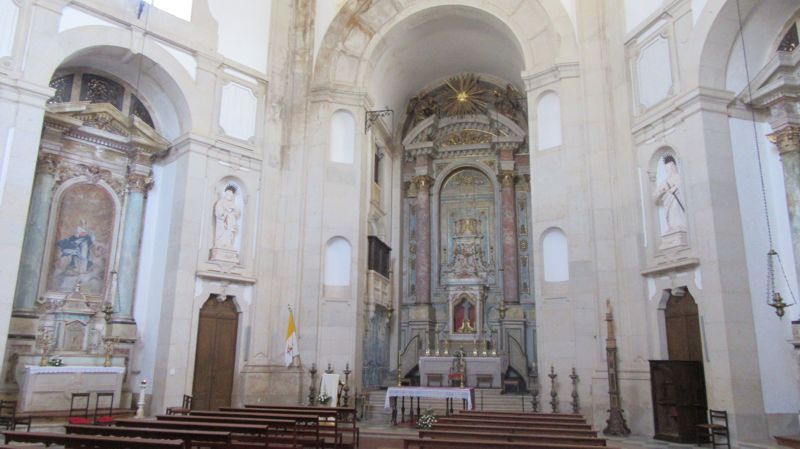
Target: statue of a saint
667	195
227	214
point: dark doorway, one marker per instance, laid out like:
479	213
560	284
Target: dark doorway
678	384
215	359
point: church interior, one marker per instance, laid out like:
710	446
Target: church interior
378	223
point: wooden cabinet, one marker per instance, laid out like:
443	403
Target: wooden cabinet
679	399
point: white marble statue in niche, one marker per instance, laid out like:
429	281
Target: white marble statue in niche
227	217
668	197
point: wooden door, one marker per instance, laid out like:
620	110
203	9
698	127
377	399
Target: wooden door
215	359
678	384
683	329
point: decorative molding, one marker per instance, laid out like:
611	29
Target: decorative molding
139	182
538	80
787	139
678	265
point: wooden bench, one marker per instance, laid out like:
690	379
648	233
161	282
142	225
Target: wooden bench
532	419
533	437
515	423
299	430
556	416
330	419
511	429
465	443
344	414
788	440
206	438
90	441
235	429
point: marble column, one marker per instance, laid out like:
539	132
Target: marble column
509	226
787	139
129	248
33	244
423	262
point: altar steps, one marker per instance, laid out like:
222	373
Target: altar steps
485	399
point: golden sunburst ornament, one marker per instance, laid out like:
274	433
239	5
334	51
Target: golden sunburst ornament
465	96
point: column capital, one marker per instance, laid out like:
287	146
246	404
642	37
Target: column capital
787	139
507	178
423	183
139	183
48	163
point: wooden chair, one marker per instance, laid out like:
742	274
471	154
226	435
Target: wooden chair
79	414
184	409
509	383
437	378
717	427
9	418
108	418
484	379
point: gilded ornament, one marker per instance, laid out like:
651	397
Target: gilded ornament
466	96
507	178
139	183
467	137
787	139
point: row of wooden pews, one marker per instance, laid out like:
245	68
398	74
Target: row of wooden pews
507	430
229	428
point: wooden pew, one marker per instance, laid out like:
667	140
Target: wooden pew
252	430
514	423
531	419
534	437
93	441
464	443
474	427
190	438
299	430
345	415
328	419
554	416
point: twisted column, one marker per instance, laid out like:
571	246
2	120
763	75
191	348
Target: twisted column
509	224
129	249
423	262
33	244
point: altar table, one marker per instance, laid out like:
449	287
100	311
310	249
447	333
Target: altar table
467	396
484	366
49	388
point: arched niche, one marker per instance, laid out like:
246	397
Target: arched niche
343	137
667	201
555	255
336	269
548	121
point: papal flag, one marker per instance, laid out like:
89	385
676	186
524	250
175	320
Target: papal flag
291	341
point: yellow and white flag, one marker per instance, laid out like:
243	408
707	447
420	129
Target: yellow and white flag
291	341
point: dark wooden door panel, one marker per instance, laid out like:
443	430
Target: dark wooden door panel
215	360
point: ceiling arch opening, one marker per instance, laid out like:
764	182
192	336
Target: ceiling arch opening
437	43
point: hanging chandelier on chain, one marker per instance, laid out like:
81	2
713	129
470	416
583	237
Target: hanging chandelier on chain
774	298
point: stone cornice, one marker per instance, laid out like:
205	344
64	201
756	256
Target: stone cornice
665	117
537	80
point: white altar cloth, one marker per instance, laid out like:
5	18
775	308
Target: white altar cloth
32	369
429	393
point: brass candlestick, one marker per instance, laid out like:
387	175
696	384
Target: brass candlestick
45	340
109	350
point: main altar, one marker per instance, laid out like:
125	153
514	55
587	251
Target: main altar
466	264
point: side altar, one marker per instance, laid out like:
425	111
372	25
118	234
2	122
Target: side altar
48	388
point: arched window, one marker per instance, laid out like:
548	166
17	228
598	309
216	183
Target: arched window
548	121
337	262
555	255
343	137
178	8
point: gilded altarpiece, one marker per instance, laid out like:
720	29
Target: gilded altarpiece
467	274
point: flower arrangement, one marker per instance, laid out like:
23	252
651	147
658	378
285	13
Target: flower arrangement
323	398
427	419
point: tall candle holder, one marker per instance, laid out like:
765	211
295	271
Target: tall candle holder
553	391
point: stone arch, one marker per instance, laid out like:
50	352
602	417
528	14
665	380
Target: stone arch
718	30
165	84
359	27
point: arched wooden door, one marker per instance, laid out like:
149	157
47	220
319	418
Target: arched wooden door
215	359
683	329
678	384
